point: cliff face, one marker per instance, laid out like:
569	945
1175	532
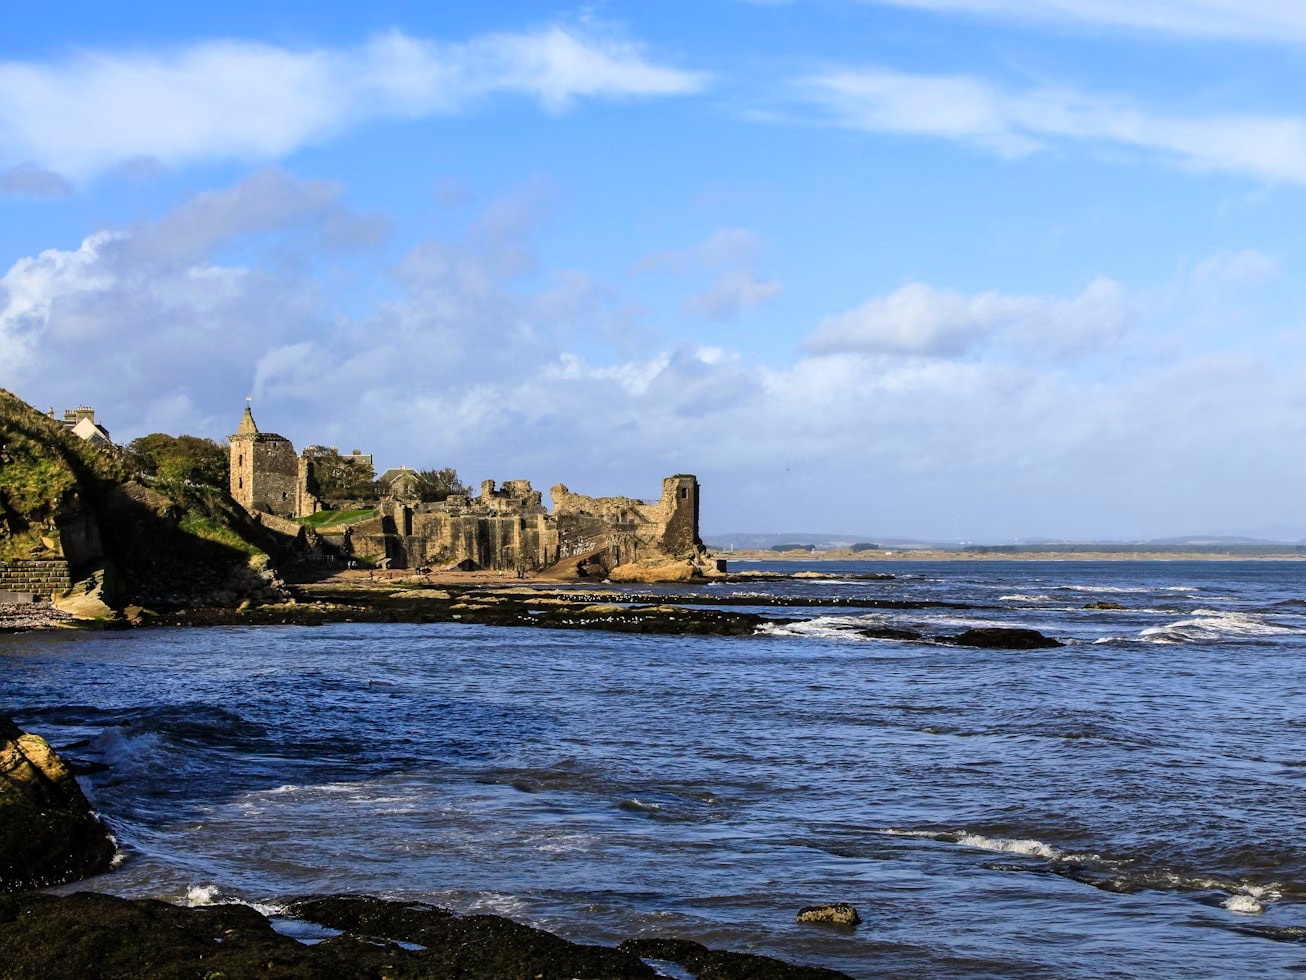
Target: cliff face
157	545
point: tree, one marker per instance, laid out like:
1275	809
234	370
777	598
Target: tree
179	460
437	485
338	478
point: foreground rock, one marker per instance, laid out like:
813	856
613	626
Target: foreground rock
91	935
48	833
718	964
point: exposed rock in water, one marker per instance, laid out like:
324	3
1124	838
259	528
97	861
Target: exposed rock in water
838	914
48	833
1002	638
1104	605
889	633
717	964
656	571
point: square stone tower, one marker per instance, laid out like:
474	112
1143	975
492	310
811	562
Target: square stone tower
265	471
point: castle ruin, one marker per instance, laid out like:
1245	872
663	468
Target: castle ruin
506	528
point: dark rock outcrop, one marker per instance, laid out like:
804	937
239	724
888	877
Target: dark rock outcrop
1002	638
48	832
468	946
92	935
719	964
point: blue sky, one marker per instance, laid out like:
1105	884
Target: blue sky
957	269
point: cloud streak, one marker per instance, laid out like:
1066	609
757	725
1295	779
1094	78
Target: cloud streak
919	319
1019	123
1242	20
249	101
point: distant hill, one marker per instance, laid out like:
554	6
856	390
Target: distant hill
1191	544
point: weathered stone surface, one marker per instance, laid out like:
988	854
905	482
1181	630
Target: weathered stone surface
1003	638
838	914
1104	605
655	571
48	833
717	964
86	599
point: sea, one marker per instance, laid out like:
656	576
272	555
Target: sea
1130	804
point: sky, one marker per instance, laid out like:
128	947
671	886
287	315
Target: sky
960	270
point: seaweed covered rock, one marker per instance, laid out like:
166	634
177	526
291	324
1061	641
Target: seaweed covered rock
48	832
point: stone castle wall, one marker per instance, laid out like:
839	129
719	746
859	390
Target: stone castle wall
505	528
42	578
510	529
634	529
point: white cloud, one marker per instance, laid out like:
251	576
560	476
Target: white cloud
244	100
1259	20
732	294
1244	267
730	256
970	110
918	319
476	360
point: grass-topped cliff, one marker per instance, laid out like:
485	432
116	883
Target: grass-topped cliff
44	472
160	542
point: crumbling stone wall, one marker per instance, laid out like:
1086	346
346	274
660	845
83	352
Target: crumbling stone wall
506	529
510	528
632	529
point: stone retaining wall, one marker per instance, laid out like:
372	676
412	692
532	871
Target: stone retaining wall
43	578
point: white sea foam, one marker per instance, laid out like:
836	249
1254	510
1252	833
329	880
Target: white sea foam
1123	589
201	895
823	627
998	845
1004	845
1213	624
1019	597
1243	905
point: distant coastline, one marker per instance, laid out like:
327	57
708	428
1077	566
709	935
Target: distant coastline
909	554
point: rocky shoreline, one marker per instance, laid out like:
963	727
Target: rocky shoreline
87	934
49	835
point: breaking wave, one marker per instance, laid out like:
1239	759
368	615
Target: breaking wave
1205	625
1117	875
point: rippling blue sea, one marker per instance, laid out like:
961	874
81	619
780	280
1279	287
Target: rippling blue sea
1131	804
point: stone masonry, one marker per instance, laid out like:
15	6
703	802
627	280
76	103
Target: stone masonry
266	473
41	578
510	529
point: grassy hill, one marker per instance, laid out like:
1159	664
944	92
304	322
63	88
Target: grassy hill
159	544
